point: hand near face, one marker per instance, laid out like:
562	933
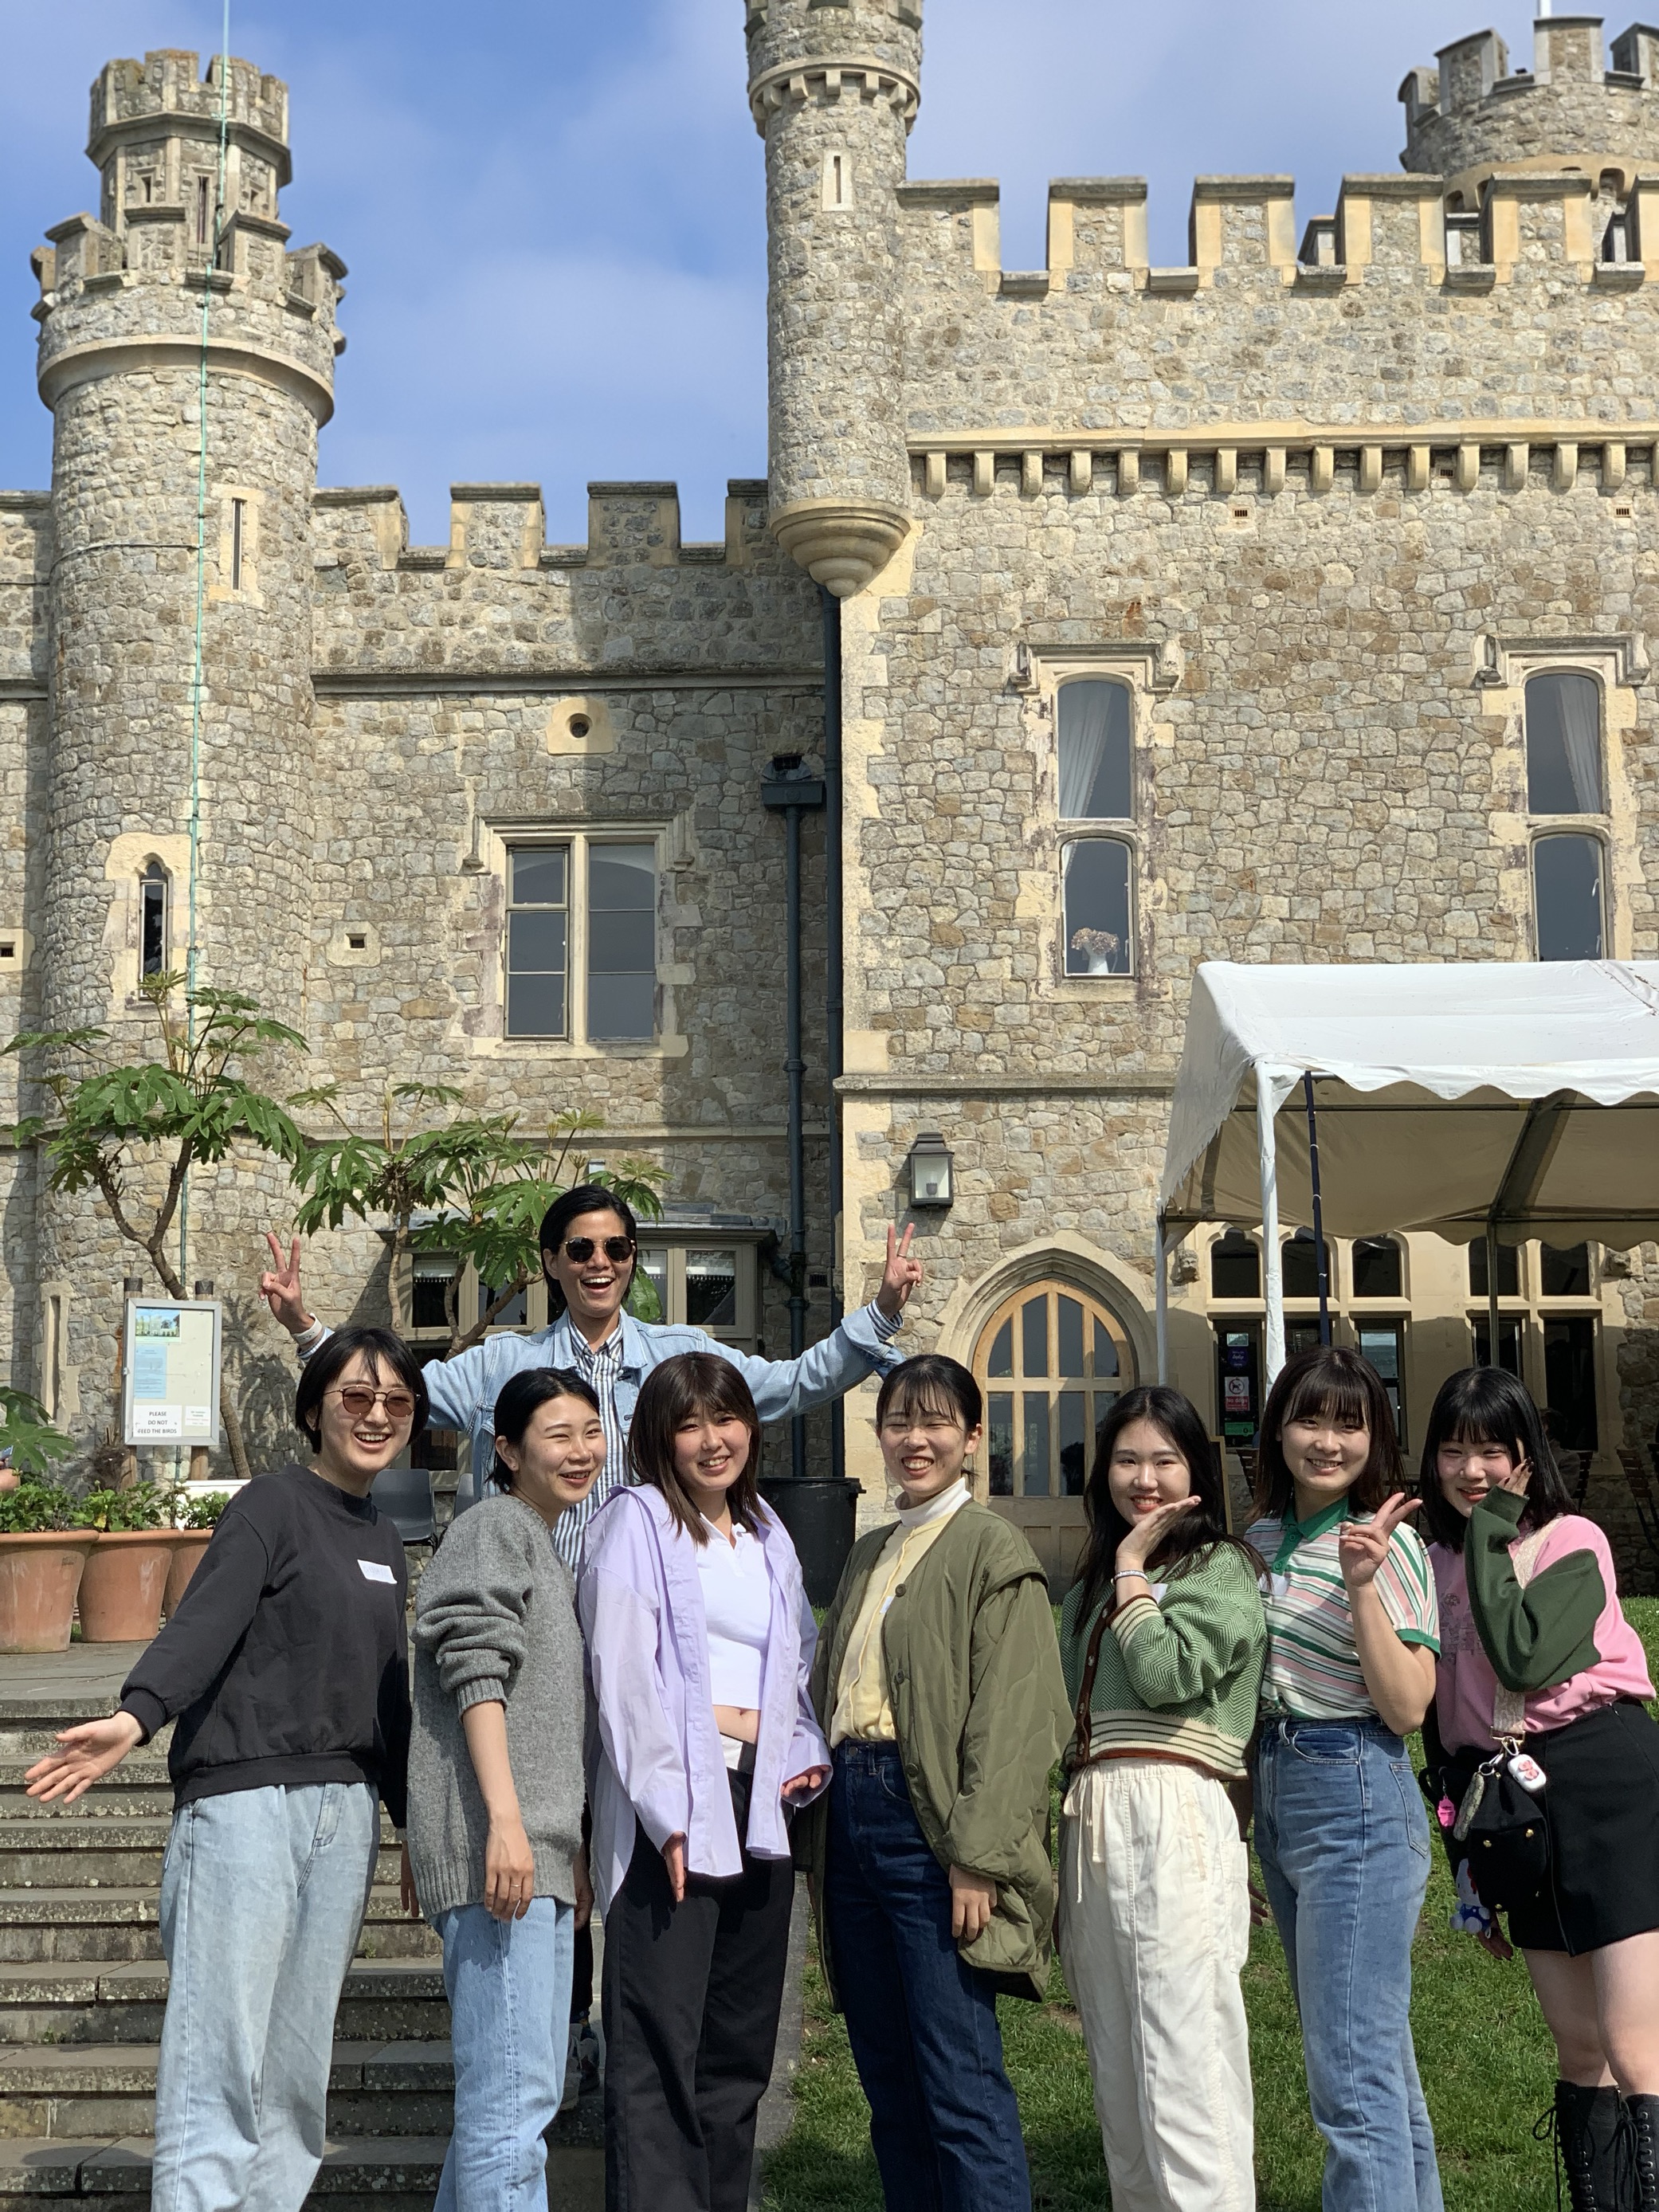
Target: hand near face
903	1273
1148	1532
1363	1545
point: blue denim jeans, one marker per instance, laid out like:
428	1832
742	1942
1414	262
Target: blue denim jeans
923	2026
509	2002
1343	1839
263	1894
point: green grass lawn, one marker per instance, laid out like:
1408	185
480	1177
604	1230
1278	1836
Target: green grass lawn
1487	2060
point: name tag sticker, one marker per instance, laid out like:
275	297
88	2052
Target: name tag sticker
1279	1585
375	1571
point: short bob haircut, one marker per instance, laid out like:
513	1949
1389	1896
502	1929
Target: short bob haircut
931	1383
694	1386
1487	1405
1196	1534
1331	1381
389	1358
521	1396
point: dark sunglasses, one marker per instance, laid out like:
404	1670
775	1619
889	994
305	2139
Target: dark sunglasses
581	1249
359	1400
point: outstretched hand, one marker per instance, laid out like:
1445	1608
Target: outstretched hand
86	1754
903	1273
1364	1545
279	1286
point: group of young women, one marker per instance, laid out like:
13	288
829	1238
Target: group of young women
670	1719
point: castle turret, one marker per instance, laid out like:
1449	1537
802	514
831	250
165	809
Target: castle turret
1471	114
178	306
834	86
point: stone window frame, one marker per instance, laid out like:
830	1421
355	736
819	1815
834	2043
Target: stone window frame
236	577
1618	665
496	840
1149	670
1529	1307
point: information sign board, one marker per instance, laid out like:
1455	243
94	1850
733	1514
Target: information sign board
171	1394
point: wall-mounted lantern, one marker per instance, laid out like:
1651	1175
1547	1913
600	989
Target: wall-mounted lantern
932	1177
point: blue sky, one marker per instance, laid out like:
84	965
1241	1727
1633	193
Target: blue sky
551	209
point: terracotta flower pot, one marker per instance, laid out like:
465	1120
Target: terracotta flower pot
40	1575
188	1545
123	1582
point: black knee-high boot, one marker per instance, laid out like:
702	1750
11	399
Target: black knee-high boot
1642	2122
1588	2124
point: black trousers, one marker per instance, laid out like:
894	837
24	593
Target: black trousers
691	1995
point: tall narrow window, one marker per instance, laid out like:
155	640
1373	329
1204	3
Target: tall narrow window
204	210
237	529
537	940
1096	896
1567	902
621	942
1095	754
152	920
1564	744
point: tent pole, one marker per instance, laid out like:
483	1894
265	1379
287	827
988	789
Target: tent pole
1272	1273
1161	1304
1493	1358
1318	1213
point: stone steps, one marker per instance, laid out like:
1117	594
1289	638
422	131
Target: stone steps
118	1924
68	1853
97	2001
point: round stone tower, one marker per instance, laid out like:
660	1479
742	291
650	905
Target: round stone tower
1570	111
131	368
834	86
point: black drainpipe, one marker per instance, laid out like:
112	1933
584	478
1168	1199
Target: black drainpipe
789	789
832	978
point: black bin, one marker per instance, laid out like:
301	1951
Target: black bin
821	1513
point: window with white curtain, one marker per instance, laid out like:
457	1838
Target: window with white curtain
1095	723
1094	768
1566	778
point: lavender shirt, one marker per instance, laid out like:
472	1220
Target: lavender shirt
655	1752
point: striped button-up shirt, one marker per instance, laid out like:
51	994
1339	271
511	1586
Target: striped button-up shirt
600	1365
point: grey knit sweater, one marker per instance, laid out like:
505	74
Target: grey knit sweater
495	1618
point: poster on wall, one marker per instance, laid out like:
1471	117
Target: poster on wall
170	1393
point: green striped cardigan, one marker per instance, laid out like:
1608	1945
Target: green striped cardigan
1179	1675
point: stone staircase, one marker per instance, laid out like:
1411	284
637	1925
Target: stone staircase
83	1984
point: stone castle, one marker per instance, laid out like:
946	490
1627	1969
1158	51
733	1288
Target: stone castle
1291	605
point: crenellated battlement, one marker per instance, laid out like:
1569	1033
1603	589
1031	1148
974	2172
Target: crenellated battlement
502	528
1473	113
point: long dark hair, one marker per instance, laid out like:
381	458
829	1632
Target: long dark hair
1487	1405
694	1386
1331	1381
1196	1534
521	1395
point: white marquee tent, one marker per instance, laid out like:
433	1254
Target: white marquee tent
1470	1100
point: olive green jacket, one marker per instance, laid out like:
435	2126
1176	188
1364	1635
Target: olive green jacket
980	1712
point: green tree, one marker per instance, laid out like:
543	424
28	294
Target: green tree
470	1185
27	1435
128	1130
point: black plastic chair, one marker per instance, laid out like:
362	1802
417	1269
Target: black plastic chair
403	1494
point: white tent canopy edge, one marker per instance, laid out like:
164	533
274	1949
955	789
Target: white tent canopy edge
1461	1099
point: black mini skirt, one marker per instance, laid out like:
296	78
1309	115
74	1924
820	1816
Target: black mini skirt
1603	1805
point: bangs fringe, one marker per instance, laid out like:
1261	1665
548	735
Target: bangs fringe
1338	1397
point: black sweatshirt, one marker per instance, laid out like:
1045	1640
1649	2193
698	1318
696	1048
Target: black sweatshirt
288	1660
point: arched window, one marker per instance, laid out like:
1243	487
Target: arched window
1051	1362
1099	917
1095	781
153	932
1567	904
1564	744
1299	1267
1235	1266
1378	1273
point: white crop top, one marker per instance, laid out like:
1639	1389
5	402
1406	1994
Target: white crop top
736	1602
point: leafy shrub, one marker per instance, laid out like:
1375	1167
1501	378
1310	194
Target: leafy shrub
204	1512
114	1511
34	1508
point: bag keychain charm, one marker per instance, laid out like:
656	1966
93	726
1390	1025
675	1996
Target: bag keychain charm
1527	1771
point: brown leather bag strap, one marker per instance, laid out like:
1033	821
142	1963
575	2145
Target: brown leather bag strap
1086	1695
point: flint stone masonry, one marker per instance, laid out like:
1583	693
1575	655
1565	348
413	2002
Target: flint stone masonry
1320	497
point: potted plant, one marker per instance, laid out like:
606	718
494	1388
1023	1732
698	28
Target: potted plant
125	1576
44	1537
198	1517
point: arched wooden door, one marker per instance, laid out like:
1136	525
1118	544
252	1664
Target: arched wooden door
1051	1361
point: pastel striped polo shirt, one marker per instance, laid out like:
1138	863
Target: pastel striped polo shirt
1313	1663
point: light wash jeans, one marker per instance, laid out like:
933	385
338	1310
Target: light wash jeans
509	2002
1343	1839
263	1894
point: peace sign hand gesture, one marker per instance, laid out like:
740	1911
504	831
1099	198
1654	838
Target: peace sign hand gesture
279	1286
1363	1545
903	1274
